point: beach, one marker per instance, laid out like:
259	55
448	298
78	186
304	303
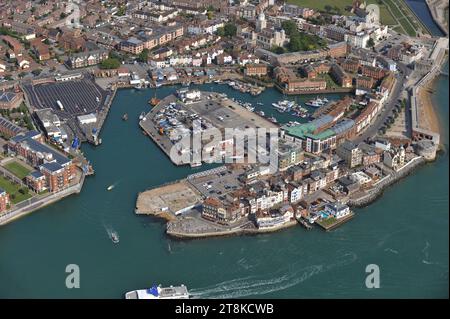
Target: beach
428	110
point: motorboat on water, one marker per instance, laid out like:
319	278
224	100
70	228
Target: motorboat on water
114	237
314	103
272	119
196	164
110	187
261	113
158	292
125	117
279	108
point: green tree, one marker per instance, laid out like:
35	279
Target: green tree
328	8
230	30
36	72
143	56
221	32
370	43
290	27
278	50
110	64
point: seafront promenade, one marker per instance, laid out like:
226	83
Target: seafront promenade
32	204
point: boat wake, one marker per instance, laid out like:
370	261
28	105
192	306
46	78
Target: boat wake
259	285
391	250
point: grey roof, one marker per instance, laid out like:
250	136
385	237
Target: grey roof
343	126
134	41
40	147
348	145
52	166
321	121
10	125
36	174
6	97
23	136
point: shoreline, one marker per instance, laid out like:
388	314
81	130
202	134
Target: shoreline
231	232
431	109
434	6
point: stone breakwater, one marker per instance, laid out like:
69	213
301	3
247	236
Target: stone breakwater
377	191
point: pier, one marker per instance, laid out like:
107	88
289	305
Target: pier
213	108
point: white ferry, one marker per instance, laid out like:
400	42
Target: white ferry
157	292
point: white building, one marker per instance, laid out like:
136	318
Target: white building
338	210
87	119
358	40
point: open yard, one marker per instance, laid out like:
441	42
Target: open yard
16	193
17	169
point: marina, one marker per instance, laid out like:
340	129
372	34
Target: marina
82	216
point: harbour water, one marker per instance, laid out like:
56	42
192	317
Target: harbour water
405	233
420	8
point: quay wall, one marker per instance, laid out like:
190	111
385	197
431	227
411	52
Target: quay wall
386	182
103	115
327	91
228	232
40	203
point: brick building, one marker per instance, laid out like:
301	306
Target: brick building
255	69
4	200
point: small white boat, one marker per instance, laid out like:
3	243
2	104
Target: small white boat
196	164
110	187
114	237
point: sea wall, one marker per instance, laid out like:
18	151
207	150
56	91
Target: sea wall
385	183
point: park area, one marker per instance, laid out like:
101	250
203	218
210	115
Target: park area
392	13
16	192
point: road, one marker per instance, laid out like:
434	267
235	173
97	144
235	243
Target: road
372	130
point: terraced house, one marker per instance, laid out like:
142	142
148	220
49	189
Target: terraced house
84	59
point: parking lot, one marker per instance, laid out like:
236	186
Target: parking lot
217	183
224	113
77	97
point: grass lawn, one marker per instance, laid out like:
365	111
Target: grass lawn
13	191
386	17
17	169
330	82
328	221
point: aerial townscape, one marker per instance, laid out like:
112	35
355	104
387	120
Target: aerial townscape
354	115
